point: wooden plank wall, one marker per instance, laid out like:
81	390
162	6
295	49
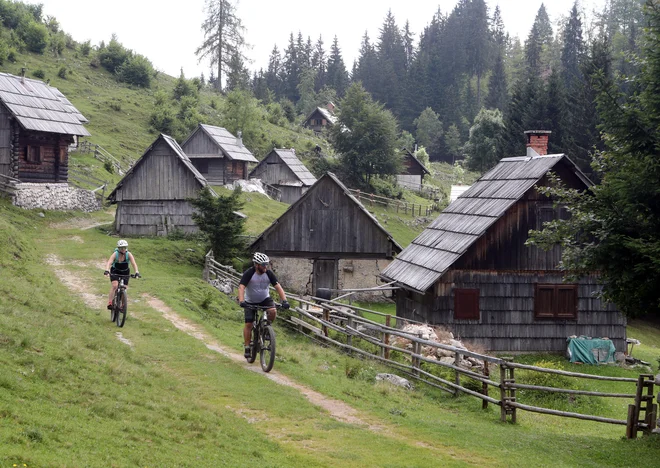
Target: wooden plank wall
326	221
152	218
53	167
506	303
161	175
290	194
5	142
216	173
273	171
200	143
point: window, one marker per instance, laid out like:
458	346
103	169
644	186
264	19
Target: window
555	301
33	154
466	304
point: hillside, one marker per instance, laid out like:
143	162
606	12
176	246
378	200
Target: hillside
151	394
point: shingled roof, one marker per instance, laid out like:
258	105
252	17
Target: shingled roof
230	146
40	107
177	151
468	218
288	156
332	119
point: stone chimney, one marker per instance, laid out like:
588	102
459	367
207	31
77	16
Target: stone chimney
239	138
537	142
331	106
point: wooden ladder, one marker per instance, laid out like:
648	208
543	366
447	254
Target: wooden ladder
643	413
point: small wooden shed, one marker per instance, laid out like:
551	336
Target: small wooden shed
37	125
284	171
327	239
319	119
152	198
471	271
218	155
413	173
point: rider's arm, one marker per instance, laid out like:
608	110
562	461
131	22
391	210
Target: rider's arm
110	260
280	291
241	292
132	258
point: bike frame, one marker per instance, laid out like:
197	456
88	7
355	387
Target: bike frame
262	328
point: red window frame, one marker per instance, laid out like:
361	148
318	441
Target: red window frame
466	304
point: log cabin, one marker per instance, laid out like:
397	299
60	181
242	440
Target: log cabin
284	171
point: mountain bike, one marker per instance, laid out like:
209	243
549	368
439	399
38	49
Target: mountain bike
120	301
263	338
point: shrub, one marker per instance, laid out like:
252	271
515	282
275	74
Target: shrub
62	73
35	36
115	106
107	165
113	55
11	55
85	48
39	73
162	120
136	70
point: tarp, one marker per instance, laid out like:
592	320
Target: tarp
591	350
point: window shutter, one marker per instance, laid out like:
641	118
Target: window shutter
567	301
466	304
544	301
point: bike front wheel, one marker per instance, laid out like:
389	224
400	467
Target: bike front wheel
267	352
121	308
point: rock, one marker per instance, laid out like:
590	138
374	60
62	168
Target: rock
456	344
55	197
41	215
425	332
620	357
447	360
395	380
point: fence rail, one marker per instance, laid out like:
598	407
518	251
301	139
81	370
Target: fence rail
401	206
8	184
273	192
321	319
102	155
89	182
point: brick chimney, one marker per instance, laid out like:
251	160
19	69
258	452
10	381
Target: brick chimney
537	142
330	106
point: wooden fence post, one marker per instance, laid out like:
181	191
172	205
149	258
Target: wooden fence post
484	385
457	376
349	337
386	337
205	273
326	317
415	360
507	394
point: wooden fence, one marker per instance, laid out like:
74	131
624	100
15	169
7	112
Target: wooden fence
86	181
8	185
102	155
330	323
400	206
273	192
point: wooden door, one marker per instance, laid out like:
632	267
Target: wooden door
325	274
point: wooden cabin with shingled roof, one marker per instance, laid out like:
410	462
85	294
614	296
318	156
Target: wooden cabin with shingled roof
153	197
218	155
413	173
284	171
471	271
37	125
327	239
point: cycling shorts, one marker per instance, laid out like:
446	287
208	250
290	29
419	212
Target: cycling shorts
251	314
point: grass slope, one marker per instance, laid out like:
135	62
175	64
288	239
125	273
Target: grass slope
72	394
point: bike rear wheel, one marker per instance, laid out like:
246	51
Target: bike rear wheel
267	352
121	308
254	344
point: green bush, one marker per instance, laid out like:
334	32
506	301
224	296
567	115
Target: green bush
62	73
39	73
136	70
86	48
112	56
35	36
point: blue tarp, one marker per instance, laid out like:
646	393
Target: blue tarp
591	350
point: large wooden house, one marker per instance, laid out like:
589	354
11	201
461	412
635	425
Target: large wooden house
37	125
327	239
152	198
413	173
218	155
284	171
471	271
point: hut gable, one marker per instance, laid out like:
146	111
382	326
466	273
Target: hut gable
164	172
208	141
412	165
282	167
327	221
470	217
319	118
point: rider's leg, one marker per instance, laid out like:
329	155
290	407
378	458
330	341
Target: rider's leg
247	333
113	288
272	313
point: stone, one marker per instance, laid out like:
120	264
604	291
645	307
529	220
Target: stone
395	380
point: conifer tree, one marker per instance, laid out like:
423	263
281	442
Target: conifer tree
337	75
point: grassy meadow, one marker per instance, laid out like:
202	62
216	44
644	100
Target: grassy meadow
73	394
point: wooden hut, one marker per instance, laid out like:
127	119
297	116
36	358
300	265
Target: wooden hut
327	239
413	173
37	125
152	198
218	155
320	118
284	171
471	271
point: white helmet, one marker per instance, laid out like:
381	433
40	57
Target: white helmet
122	243
261	259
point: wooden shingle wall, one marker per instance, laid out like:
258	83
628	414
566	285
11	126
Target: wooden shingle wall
200	143
5	142
153	218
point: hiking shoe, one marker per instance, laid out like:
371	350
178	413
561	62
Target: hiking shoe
247	352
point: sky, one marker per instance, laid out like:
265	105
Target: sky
169	35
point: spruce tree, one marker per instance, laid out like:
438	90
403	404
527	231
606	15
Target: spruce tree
337	75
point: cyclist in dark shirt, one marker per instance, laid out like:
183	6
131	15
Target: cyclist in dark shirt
118	265
253	290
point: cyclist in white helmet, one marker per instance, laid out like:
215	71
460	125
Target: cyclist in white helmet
253	289
118	265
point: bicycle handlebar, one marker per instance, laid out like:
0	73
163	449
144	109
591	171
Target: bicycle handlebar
249	305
